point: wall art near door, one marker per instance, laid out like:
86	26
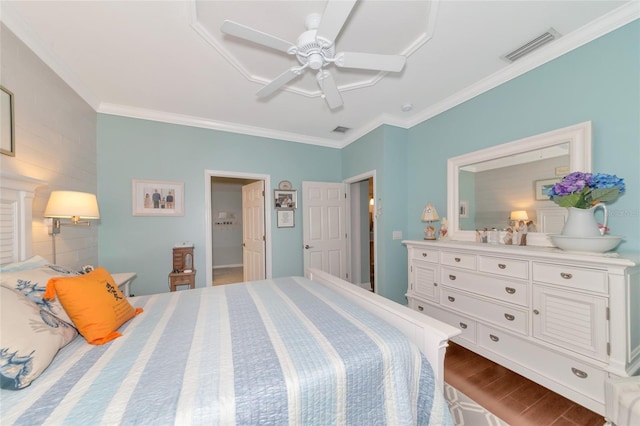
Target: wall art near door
7	120
285	199
286	218
157	198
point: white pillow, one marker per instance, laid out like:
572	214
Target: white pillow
31	263
30	338
32	283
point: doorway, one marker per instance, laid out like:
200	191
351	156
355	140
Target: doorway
228	230
362	223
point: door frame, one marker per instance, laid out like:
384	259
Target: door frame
350	225
208	174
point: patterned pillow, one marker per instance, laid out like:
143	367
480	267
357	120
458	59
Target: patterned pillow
30	338
33	283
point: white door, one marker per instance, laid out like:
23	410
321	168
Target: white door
253	236
324	227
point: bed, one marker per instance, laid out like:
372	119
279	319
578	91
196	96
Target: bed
291	350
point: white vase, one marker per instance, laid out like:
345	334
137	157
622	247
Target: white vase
582	222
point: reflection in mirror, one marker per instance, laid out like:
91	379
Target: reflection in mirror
500	186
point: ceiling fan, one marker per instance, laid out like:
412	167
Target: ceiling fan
315	49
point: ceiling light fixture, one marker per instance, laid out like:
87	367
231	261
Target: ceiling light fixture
407	107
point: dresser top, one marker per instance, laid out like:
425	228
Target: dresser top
610	258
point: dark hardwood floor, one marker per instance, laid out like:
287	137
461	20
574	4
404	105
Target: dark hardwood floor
515	399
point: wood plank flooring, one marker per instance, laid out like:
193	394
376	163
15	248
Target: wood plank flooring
515	399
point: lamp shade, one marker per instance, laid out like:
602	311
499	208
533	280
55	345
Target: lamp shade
519	215
429	214
69	204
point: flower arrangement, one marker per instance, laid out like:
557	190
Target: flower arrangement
584	190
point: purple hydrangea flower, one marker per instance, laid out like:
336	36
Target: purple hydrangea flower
572	183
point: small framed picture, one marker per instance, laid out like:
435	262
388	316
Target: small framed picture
543	186
157	198
286	218
7	123
285	199
464	209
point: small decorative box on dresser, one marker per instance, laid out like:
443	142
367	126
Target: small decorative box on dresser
565	320
183	272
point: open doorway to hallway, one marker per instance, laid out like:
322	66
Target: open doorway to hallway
363	235
234	249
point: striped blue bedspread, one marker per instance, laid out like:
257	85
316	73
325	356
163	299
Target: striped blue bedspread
273	352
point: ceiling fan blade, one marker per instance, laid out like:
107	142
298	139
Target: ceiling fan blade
253	35
370	61
279	81
335	15
329	88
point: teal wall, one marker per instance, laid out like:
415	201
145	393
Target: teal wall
598	82
139	149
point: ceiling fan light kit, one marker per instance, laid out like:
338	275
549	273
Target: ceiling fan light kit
315	49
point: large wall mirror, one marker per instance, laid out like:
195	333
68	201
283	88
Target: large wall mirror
493	187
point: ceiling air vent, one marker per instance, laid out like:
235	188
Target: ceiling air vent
341	129
532	45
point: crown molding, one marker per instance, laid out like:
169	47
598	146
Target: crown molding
615	19
187	120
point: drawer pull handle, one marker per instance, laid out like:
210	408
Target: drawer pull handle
579	373
451	298
494	337
502	266
509	317
435	284
566	276
420	308
510	290
457	259
537	312
452	277
424	254
463	325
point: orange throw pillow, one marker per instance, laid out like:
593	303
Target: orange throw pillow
94	303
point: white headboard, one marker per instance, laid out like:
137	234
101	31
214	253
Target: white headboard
16	205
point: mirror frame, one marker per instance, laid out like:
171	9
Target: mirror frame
579	138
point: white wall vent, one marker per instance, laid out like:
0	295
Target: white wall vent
532	45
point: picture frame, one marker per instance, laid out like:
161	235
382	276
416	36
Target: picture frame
286	218
7	123
464	209
285	199
542	187
146	203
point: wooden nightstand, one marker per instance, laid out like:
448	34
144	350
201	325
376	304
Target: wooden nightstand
123	280
182	278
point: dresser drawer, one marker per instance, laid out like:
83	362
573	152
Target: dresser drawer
425	254
460	260
509	317
466	325
571	276
510	291
505	267
578	376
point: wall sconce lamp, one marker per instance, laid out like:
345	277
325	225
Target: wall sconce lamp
429	214
70	205
518	215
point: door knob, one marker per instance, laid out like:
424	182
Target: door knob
307	246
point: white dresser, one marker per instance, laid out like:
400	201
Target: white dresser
565	320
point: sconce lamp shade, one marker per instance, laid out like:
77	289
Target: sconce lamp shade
519	215
73	205
429	214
